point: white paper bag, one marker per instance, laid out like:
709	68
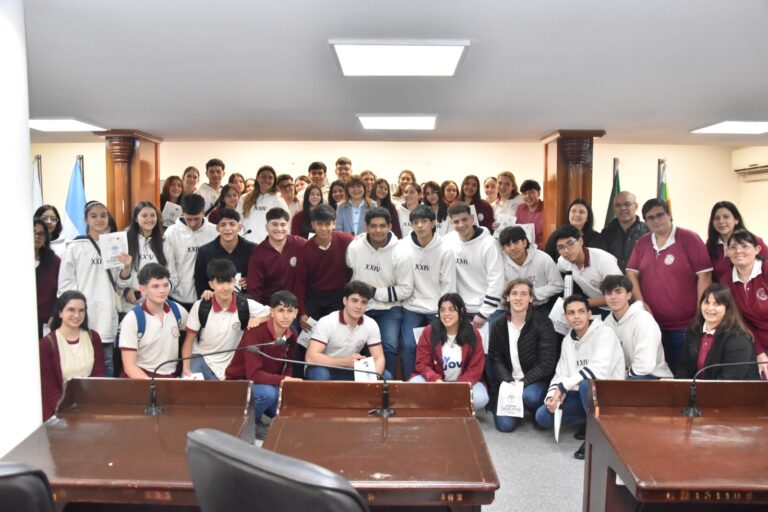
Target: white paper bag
368	365
510	402
557	315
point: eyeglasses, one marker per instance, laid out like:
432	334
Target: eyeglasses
657	217
567	245
39	234
736	247
625	204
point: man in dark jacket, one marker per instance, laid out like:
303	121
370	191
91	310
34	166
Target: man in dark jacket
522	347
621	235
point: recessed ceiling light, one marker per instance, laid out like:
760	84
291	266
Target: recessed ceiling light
736	127
63	125
397	122
399	58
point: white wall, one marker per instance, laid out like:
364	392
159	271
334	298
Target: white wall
752	194
58	161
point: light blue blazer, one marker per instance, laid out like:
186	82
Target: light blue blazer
344	220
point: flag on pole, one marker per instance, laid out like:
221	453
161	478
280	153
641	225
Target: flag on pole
615	189
37	190
663	187
73	223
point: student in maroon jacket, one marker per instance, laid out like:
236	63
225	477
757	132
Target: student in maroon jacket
46	273
265	373
272	264
451	350
70	350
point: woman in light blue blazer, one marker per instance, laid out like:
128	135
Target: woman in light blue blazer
350	215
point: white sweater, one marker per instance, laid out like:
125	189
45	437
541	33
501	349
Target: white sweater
540	270
81	270
181	245
479	271
145	255
434	272
255	223
597	355
640	339
384	269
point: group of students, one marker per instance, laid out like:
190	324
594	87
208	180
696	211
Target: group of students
353	285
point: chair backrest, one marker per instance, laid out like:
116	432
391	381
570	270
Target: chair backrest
230	475
24	489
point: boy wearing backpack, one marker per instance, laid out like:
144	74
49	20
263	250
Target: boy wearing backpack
218	323
149	333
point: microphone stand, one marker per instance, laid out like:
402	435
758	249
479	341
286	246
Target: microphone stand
693	411
382	412
153	409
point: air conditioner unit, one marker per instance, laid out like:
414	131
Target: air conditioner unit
753	172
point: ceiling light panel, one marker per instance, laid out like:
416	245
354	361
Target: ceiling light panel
736	127
397	122
62	125
399	58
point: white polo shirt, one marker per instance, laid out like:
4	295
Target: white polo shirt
160	341
597	264
222	332
342	340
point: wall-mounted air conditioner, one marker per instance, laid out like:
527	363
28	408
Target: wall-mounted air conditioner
753	172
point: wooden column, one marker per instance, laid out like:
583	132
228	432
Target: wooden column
133	172
567	173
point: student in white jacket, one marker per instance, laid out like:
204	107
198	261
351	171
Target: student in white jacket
182	240
374	261
524	261
145	245
589	351
638	332
434	275
479	268
81	269
254	205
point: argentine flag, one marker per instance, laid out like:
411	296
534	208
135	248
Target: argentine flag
73	222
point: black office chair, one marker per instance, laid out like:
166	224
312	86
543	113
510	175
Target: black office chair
230	475
24	489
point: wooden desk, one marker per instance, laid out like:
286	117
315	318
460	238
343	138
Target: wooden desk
431	453
100	448
667	461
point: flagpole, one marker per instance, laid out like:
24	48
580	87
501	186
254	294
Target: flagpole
39	163
82	168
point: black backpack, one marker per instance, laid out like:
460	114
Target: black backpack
243	312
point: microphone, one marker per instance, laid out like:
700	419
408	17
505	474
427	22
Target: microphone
692	411
155	410
382	412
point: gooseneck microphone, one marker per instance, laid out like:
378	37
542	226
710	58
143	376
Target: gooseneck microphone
693	411
382	412
155	410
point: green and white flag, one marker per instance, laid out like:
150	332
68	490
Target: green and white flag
663	186
615	189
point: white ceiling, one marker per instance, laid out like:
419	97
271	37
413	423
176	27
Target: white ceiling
645	71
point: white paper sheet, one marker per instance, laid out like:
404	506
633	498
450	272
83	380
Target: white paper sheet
365	364
304	335
171	213
510	402
558	422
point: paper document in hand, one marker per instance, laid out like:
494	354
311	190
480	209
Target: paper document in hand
510	399
112	244
558	421
171	213
365	364
305	335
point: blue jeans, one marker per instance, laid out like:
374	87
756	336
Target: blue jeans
533	396
389	324
574	408
198	365
319	373
479	393
265	400
672	341
109	359
488	374
410	322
